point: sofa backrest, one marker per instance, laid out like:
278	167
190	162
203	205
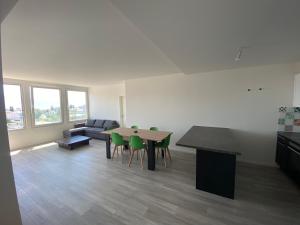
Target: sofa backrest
106	124
90	123
109	124
99	123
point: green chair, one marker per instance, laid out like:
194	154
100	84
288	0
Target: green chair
134	127
136	144
164	146
118	141
153	129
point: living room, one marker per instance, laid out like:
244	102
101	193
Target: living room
128	66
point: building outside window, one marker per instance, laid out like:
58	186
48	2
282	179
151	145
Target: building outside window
77	105
13	106
46	106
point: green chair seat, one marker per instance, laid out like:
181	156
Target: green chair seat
164	146
136	145
117	139
119	142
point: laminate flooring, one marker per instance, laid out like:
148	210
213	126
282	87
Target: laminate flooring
82	187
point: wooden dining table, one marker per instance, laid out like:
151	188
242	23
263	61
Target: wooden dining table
152	137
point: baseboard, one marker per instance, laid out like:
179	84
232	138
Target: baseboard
274	165
193	151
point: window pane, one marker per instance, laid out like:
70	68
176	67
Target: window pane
13	106
77	105
47	107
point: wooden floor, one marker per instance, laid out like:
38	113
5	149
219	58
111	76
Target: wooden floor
62	187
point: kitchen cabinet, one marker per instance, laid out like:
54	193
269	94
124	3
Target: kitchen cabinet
288	154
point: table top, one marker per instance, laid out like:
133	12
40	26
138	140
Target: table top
144	134
211	139
74	139
292	136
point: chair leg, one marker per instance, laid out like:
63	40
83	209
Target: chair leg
114	152
168	150
142	159
131	156
165	158
145	152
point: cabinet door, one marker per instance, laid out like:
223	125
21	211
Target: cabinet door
294	160
279	149
282	155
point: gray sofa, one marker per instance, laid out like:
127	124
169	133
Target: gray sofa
92	128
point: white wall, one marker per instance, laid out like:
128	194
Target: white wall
104	101
296	100
9	208
30	135
176	102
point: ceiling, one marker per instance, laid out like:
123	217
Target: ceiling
5	7
95	42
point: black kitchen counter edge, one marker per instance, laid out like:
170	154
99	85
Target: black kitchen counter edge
190	139
291	136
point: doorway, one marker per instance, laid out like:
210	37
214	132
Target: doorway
122	105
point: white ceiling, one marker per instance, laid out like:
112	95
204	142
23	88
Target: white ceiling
85	42
204	35
5	7
94	42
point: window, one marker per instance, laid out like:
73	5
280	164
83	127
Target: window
46	106
77	105
13	106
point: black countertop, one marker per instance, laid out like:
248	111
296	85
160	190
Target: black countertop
210	138
292	136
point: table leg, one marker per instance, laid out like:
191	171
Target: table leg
151	155
108	147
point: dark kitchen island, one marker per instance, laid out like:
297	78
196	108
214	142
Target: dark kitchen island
215	158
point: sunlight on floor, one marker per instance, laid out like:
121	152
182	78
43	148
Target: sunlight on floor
15	152
39	147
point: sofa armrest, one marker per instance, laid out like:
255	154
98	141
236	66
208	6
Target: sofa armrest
77	125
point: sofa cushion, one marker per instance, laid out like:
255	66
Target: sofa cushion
90	123
94	130
99	123
108	124
77	129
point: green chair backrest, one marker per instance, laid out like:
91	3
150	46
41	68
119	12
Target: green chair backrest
135	142
153	128
166	142
117	139
134	127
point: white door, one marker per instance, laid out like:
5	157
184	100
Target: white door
122	111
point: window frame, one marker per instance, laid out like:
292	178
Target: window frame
22	102
67	104
34	125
